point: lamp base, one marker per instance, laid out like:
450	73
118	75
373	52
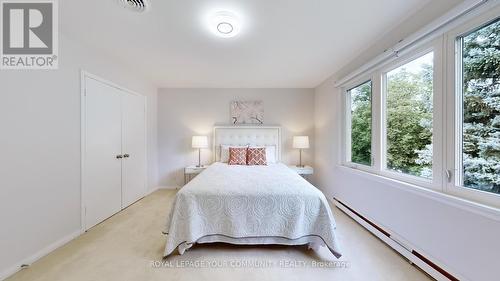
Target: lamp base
300	160
200	166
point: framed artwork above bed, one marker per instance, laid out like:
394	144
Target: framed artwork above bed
247	112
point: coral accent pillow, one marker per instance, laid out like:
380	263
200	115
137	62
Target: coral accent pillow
256	156
224	151
237	156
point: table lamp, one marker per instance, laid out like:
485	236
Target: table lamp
301	142
199	142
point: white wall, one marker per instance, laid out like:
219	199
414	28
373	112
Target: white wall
457	236
40	150
183	113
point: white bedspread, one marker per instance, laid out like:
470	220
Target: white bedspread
249	202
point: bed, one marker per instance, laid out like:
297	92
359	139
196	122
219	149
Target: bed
249	205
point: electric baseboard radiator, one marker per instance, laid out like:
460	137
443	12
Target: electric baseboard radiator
406	250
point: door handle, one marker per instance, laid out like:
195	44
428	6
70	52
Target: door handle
448	175
119	157
126	155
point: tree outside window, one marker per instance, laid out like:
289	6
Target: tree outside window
361	123
409	117
481	108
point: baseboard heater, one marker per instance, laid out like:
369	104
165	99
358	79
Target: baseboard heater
415	257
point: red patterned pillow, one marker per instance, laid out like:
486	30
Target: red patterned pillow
237	156
256	156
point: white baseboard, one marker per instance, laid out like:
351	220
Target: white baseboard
404	248
168	187
43	252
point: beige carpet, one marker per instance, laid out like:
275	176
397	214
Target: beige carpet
129	246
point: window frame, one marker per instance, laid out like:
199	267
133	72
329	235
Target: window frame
454	111
346	124
435	183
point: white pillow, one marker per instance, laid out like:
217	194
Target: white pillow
224	151
270	153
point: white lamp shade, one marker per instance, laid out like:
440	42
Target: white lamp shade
301	142
200	142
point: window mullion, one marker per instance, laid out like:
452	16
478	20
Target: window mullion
377	121
347	124
438	115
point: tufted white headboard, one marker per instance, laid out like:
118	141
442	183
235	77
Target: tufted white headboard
244	135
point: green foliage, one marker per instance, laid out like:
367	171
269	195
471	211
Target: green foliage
361	120
409	121
481	108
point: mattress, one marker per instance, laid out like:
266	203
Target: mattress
250	205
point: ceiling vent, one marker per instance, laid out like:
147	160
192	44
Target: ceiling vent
136	5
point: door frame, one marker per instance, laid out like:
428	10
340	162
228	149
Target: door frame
83	135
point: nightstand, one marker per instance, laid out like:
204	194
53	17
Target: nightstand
191	171
303	171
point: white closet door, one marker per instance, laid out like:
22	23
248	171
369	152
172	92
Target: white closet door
134	149
102	170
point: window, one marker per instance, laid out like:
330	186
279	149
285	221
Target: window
360	103
408	109
479	112
429	115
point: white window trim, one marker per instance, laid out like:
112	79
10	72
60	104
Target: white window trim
454	113
444	122
436	182
378	166
346	124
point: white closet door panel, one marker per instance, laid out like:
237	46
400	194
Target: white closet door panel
103	143
134	145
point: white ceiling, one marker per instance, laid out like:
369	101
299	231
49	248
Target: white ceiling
283	43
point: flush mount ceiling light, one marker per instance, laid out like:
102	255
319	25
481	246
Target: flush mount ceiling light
225	28
224	24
